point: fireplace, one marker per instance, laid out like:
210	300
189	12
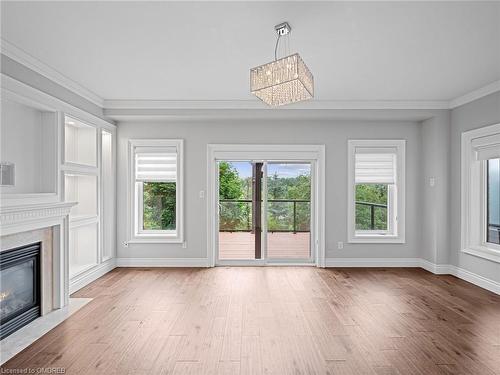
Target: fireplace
20	300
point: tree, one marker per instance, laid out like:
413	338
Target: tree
230	184
232	215
159	205
371	193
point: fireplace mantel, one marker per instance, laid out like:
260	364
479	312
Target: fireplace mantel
14	219
18	220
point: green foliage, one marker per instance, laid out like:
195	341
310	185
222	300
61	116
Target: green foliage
159	205
371	193
233	215
230	183
281	214
238	215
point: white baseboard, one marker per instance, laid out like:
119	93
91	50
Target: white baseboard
373	262
438	269
79	281
474	278
161	262
87	277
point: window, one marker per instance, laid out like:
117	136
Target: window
481	192
493	201
156	171
376	191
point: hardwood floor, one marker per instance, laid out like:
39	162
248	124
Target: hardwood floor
275	320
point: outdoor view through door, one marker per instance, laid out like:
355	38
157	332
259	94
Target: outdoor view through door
264	210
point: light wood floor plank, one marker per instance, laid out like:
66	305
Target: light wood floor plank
274	320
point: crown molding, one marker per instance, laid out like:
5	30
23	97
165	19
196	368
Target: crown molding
10	50
475	95
132	108
126	104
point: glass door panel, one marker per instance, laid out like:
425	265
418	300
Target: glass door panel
288	210
238	237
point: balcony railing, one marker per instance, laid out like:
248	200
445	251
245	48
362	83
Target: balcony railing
236	215
494	233
244	224
372	206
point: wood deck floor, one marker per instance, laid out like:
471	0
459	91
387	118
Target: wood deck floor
274	320
281	245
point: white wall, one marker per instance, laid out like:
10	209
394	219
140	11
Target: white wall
435	159
334	134
21	134
482	112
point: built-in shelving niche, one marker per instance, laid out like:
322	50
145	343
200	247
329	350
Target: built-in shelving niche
80	143
29	145
81	166
108	204
81	188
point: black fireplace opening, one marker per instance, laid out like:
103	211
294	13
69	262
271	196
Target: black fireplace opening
20	300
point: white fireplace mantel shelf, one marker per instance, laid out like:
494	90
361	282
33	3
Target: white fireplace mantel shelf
14	218
24	218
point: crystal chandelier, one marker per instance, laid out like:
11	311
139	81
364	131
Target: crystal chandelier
282	81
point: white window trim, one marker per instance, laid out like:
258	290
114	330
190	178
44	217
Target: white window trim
135	204
473	197
354	236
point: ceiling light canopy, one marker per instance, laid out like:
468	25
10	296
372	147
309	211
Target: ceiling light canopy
282	81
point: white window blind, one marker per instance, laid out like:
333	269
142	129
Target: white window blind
156	164
375	165
487	147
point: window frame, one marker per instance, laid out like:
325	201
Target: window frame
486	227
396	196
474	193
135	196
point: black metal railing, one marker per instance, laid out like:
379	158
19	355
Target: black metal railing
372	206
296	227
493	233
247	226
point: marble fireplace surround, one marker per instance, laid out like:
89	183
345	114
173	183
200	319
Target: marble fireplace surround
48	224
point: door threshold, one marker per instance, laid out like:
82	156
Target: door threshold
229	263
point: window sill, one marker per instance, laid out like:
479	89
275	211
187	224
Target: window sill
483	252
376	239
157	239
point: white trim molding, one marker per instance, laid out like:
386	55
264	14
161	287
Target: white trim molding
396	191
113	106
475	95
125	107
473	191
437	269
34	97
134	206
373	262
15	219
78	282
22	57
162	262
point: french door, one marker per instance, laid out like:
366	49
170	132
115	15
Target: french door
264	211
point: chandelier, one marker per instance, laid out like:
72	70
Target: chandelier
282	81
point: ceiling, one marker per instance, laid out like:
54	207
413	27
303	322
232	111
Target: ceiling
363	51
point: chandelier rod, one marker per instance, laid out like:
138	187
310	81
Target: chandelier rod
276	47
